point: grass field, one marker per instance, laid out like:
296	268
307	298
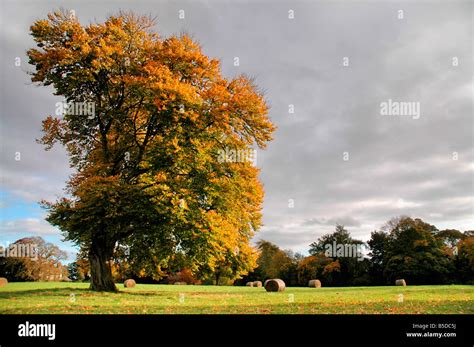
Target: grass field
59	297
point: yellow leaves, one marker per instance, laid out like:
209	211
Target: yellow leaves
184	56
161	176
53	129
85	49
96	64
175	144
183	204
167	106
251	123
167	86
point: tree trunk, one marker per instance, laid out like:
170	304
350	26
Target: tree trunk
100	254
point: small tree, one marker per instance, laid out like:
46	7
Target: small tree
378	244
465	260
74	274
311	268
344	269
415	253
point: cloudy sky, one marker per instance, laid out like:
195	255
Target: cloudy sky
336	158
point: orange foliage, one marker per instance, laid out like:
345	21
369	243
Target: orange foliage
146	160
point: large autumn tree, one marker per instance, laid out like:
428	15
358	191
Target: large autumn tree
148	162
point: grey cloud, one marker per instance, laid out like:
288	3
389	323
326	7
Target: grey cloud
345	220
397	165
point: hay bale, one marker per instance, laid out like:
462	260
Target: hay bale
180	283
265	283
3	281
275	285
257	284
314	284
129	283
400	282
249	284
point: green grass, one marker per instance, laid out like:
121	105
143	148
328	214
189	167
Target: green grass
59	297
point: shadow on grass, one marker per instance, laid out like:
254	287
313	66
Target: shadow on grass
455	307
87	292
43	291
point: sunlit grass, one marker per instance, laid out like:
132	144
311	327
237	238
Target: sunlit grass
59	297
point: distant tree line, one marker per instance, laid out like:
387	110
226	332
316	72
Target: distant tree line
404	248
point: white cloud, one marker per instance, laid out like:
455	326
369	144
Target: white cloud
27	227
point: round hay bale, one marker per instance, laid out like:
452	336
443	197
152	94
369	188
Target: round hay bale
314	284
249	284
180	283
275	285
257	284
3	281
129	283
400	282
